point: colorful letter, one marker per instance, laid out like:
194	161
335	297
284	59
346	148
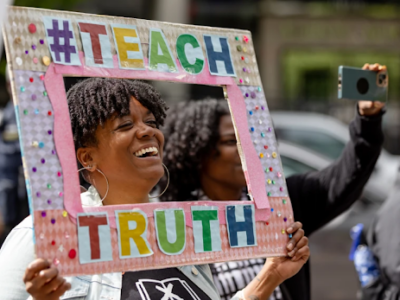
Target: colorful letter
132	233
128	46
94	237
241	225
219	56
160	55
190	54
96	44
61	41
171	230
206	229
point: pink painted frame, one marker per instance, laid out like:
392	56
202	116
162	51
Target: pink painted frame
65	147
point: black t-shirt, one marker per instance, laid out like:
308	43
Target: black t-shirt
165	284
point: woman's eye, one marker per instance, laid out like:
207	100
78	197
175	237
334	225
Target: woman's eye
229	142
125	125
152	123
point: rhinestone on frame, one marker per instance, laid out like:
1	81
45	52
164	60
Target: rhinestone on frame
72	253
46	60
32	28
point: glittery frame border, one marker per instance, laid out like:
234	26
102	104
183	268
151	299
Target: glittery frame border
49	158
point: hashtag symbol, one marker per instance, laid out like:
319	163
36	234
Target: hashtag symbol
56	47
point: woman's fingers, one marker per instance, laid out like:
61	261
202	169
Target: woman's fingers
374	67
294	227
44	277
298	234
303	253
61	289
303	242
35	267
53	285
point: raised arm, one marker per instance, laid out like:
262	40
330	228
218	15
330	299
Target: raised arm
318	197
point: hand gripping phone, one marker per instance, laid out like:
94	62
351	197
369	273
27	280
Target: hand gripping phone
358	84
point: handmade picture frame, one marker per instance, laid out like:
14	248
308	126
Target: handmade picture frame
43	46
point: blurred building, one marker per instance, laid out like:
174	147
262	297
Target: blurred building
299	45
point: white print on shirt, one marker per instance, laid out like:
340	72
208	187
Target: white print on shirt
168	289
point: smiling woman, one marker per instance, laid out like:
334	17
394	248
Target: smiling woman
115	124
108	134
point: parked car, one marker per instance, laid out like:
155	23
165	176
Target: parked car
299	160
326	136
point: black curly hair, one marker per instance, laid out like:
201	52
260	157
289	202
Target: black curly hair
191	133
93	101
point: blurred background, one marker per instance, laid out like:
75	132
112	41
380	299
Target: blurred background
299	46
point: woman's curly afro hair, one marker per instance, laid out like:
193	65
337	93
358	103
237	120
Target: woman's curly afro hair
191	133
93	101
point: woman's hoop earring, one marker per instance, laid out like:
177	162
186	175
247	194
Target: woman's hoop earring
108	186
166	169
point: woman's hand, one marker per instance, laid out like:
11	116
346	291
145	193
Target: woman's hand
278	269
42	281
298	254
370	108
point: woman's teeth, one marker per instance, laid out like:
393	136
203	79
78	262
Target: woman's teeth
152	152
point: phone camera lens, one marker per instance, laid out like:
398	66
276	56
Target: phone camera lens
362	86
382	76
380	81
